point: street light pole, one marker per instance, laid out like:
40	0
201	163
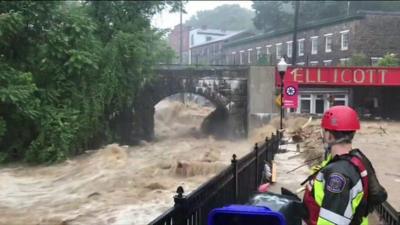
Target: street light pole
180	35
282	66
294	43
282	74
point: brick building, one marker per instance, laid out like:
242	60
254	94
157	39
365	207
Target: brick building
211	52
328	42
174	42
332	42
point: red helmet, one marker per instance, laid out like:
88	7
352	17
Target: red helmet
340	118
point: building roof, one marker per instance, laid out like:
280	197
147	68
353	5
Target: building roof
232	34
311	25
218	32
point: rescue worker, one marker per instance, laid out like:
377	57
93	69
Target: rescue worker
337	192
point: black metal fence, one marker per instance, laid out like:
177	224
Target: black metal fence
389	214
235	184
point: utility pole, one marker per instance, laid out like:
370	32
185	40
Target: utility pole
294	43
180	36
180	47
348	8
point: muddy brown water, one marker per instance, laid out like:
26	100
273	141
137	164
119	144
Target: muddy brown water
121	185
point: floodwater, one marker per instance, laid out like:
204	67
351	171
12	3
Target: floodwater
119	185
122	185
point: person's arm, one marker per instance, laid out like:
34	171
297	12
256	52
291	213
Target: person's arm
336	207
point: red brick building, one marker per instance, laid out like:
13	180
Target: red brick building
174	42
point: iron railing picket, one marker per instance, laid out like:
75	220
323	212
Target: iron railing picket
388	214
235	184
235	177
257	166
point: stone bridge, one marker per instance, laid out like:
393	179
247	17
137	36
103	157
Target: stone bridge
225	87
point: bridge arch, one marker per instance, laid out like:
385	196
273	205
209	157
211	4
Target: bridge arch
226	87
173	118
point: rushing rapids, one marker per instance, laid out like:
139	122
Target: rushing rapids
119	184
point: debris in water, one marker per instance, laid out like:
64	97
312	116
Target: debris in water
155	186
211	156
94	194
194	168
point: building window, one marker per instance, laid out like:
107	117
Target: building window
300	63
314	63
258	53
305	103
192	39
233	57
241	57
328	42
314	45
327	62
319	104
339	100
301	46
344	61
375	60
268	50
289	49
208	38
249	55
344	40
278	50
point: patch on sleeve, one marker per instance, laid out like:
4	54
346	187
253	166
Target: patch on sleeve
336	183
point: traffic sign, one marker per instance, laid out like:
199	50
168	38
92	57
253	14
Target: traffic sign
290	98
278	100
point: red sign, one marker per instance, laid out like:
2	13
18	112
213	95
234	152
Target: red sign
343	76
290	95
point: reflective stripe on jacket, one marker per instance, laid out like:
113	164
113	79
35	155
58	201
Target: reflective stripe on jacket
335	192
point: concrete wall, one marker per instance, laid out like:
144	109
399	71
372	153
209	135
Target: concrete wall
261	96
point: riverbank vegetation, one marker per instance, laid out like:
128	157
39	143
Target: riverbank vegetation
66	68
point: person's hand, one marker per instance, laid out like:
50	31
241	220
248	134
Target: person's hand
315	168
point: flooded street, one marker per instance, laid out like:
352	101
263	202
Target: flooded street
119	184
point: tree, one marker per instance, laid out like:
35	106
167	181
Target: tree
65	69
358	59
321	10
354	6
389	59
271	15
226	17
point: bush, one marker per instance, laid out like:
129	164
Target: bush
389	59
358	59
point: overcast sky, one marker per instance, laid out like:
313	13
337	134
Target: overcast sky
169	20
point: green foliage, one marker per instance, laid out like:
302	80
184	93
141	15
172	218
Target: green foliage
321	10
263	60
374	6
358	59
230	17
65	68
389	60
273	15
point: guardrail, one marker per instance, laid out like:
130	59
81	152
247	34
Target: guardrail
235	184
388	214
